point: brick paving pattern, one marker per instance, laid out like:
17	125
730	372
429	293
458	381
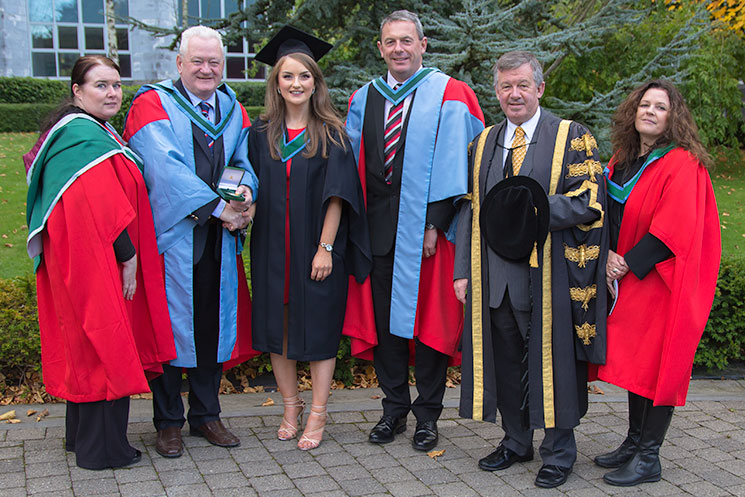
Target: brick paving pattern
703	454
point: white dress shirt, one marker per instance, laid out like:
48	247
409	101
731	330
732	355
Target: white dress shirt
509	134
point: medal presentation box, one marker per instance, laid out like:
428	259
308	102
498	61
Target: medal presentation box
229	181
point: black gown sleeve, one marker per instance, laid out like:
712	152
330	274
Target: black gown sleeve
440	214
124	250
644	255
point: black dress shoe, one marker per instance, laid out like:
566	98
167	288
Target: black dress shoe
550	476
425	436
386	429
137	458
503	458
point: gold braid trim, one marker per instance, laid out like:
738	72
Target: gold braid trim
584	295
547	314
592	203
477	304
585	143
586	332
581	254
590	167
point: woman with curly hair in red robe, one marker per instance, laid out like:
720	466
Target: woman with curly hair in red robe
662	268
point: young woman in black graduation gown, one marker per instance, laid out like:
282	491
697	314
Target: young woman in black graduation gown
310	233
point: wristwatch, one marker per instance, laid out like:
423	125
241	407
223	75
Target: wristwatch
327	246
429	226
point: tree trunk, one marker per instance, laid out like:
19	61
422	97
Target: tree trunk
111	31
185	13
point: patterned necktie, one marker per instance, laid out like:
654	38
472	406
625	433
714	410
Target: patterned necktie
205	108
391	136
518	150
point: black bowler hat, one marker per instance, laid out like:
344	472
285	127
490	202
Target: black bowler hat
292	40
514	217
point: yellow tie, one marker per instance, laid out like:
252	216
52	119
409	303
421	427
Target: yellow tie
518	150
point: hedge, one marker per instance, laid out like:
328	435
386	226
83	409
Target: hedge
32	90
23	117
27	116
723	340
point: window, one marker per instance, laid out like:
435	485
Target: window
239	64
63	30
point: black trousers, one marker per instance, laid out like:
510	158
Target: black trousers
509	327
204	403
204	379
391	357
97	433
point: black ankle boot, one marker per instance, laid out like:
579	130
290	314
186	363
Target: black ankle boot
623	453
644	465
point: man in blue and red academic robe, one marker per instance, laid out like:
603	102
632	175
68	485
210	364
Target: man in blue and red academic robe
410	131
187	132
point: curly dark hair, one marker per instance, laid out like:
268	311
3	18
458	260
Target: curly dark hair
681	129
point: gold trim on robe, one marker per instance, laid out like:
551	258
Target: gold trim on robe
547	366
581	254
589	168
477	304
592	203
586	332
585	143
584	295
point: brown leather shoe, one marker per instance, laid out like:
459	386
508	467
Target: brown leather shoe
216	434
168	443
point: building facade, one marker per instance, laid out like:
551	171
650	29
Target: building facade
43	38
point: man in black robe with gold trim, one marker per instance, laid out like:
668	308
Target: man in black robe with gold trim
538	321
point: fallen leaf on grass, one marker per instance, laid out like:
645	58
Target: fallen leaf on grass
267	402
8	415
595	390
434	454
30	412
9	245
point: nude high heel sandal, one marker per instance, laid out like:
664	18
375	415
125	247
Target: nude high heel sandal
287	430
312	439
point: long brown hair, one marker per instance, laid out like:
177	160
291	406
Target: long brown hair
681	128
79	71
324	126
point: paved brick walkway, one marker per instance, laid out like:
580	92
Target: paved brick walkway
704	454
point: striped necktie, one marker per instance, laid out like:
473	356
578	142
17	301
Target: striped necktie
205	108
391	135
518	150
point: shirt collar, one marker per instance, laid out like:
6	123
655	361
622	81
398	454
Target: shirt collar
528	126
392	82
195	100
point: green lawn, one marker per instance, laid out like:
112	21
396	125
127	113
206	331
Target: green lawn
728	176
729	187
13	230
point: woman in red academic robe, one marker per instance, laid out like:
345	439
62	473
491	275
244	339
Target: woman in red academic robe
103	315
310	231
662	268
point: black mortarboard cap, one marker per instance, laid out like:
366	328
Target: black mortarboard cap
292	40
